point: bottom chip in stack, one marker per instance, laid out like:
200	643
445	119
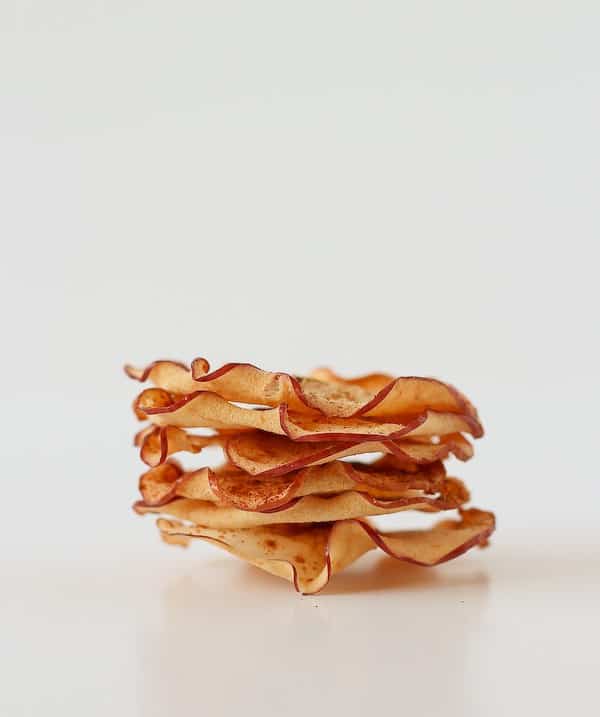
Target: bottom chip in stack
308	554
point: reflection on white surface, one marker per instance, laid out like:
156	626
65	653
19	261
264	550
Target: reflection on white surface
99	618
378	630
510	629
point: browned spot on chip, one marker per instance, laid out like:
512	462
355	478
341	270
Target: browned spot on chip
265	454
323	393
329	548
209	410
380	487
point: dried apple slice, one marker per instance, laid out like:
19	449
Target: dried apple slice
228	486
266	454
391	393
308	555
241	382
205	409
314	508
376	395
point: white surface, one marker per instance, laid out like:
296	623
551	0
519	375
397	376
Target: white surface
510	631
409	187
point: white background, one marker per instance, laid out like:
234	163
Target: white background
404	186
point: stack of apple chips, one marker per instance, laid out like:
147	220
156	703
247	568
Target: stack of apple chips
294	493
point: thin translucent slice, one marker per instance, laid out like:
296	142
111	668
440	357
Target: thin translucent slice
406	395
241	382
263	454
307	555
229	486
157	443
309	508
375	395
390	392
205	409
401	396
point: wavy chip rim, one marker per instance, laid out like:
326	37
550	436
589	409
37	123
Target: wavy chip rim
162	408
379	484
344	542
247	383
279	455
313	508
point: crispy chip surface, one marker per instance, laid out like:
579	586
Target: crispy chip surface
307	555
260	453
383	485
314	508
208	410
376	395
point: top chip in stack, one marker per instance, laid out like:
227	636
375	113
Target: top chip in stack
292	495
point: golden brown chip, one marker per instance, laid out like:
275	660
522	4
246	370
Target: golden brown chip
307	555
381	384
315	508
205	409
376	395
383	485
266	454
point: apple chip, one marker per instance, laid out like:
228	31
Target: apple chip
317	508
375	395
266	454
307	555
228	486
209	410
381	384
